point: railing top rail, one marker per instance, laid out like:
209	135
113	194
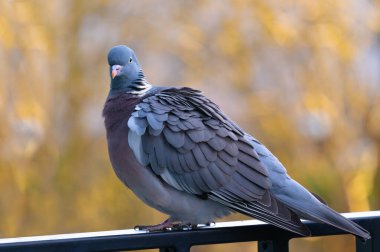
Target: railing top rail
223	232
229	224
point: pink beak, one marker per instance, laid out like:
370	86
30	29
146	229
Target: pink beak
115	70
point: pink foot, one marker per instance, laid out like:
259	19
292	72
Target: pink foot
168	224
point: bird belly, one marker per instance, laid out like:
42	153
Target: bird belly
153	191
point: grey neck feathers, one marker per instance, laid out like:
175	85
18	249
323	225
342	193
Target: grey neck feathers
139	86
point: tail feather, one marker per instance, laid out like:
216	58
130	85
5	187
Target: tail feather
281	216
297	198
307	206
324	214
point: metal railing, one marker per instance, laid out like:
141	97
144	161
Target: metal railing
270	238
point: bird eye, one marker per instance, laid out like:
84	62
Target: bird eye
130	60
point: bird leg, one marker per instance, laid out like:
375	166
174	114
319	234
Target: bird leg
168	224
189	225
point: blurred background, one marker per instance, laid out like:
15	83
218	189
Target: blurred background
301	76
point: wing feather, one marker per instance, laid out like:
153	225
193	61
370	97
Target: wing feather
185	138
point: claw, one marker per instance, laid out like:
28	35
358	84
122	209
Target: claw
166	225
209	224
171	225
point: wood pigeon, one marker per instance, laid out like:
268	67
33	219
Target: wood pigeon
180	154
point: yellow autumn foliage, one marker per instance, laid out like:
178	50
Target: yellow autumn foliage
301	76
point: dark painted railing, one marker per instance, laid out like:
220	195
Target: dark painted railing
269	237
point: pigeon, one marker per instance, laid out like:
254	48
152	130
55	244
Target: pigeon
180	154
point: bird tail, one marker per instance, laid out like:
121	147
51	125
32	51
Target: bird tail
307	206
325	214
276	213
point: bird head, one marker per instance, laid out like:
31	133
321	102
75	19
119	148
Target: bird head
125	69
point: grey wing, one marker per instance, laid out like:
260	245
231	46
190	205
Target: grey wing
191	149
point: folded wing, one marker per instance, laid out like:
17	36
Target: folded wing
187	141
